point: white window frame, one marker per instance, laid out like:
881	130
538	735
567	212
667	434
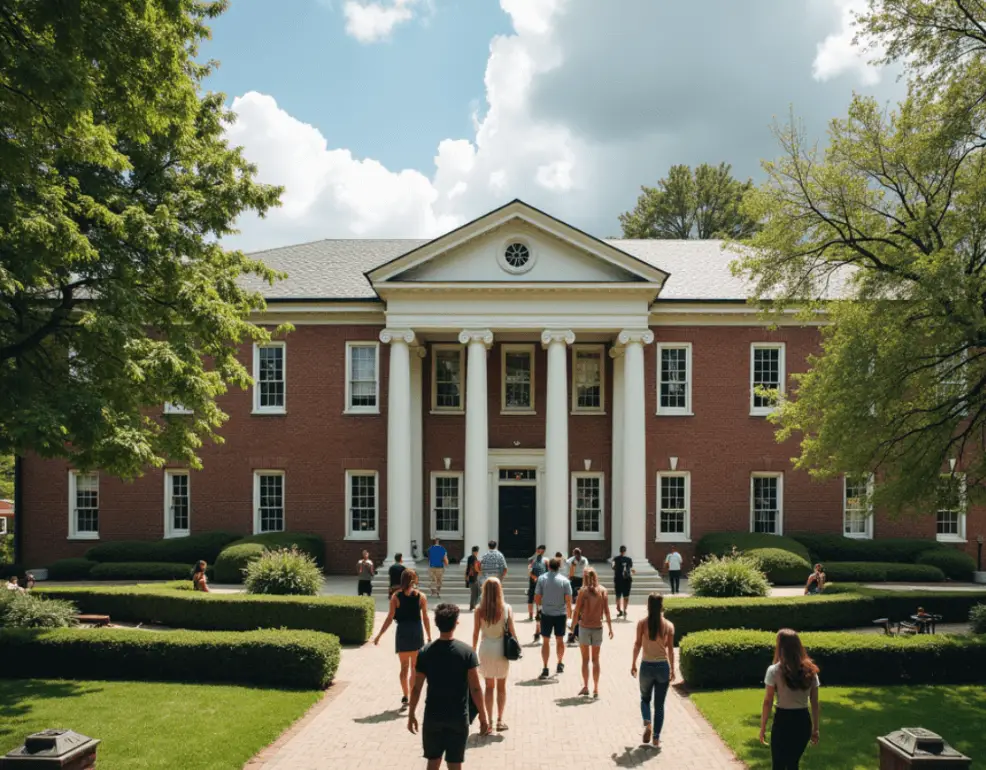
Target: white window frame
780	499
516	348
169	519
676	411
73	523
256	500
444	348
963	512
364	534
349	408
3	525
868	533
601	534
761	411
674	537
257	408
599	351
171	408
455	534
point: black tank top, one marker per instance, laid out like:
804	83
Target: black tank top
408	607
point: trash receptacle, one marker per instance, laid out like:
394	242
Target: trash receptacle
53	748
917	747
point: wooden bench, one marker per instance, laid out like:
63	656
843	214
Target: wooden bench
96	620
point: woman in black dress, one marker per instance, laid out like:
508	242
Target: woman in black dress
410	609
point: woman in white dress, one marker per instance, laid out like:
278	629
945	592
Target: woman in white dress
493	615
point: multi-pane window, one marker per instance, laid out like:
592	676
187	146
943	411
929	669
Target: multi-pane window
587	378
173	408
766	376
674	378
268	375
446	491
857	519
83	505
950	512
361	503
268	491
587	506
766	503
447	363
177	503
362	389
673	516
518	378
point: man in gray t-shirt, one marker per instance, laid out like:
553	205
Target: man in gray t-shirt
553	594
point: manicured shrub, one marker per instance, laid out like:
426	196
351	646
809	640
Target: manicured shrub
29	610
140	570
957	565
6	549
313	545
736	658
70	569
727	576
901	550
977	618
722	543
877	572
303	659
284	572
232	562
781	567
348	617
206	545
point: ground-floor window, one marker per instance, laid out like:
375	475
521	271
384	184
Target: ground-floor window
767	503
587	506
83	502
951	510
857	514
177	503
362	505
446	505
268	501
674	499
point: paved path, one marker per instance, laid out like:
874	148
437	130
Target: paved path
359	725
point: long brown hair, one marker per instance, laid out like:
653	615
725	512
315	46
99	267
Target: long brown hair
655	616
408	578
492	601
797	668
590	581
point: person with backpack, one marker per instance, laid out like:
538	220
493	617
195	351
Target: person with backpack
623	573
793	680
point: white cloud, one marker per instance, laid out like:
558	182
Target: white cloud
373	22
837	55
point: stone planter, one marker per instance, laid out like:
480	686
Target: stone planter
979	577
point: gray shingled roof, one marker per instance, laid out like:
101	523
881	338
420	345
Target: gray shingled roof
333	269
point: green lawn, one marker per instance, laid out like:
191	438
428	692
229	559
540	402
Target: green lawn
150	725
852	719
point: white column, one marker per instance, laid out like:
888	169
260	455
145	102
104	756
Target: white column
399	443
556	467
635	446
477	529
417	469
616	469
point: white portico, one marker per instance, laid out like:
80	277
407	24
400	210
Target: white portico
517	276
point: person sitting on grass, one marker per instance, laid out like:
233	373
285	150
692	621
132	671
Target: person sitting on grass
816	581
12	584
199	580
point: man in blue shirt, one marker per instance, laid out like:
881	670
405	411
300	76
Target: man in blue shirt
437	562
553	594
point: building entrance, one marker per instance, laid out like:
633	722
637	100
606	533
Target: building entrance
518	521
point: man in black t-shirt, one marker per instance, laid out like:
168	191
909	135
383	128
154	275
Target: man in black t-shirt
394	573
472	577
451	669
623	573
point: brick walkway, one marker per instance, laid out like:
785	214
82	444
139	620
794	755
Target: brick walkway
358	724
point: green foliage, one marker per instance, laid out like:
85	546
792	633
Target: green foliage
348	617
781	567
286	571
824	548
303	659
235	557
957	565
232	562
6	549
877	572
704	203
189	550
737	658
722	543
70	569
728	576
141	570
119	186
28	610
6	477
977	618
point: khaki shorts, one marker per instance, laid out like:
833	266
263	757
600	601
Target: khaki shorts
590	637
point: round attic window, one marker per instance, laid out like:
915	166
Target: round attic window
516	257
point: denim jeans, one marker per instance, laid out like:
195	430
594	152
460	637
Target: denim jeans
655	678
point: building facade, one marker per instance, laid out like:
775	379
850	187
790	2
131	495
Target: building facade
515	379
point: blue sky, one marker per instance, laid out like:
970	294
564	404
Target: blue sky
406	118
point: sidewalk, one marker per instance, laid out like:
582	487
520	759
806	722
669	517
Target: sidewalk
359	724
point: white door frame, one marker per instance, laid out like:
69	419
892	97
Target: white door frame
515	458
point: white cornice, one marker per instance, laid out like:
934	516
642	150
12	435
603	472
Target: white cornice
727	314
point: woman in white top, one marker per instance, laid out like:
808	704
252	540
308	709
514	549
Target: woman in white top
793	678
492	616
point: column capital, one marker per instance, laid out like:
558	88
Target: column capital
420	351
557	335
397	335
476	335
615	352
641	336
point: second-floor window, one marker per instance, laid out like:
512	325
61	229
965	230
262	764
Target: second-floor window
517	384
674	360
588	382
269	378
362	384
766	376
447	368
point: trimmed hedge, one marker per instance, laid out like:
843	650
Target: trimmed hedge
310	544
348	617
141	570
957	565
233	560
302	659
733	658
721	543
977	618
900	550
783	568
70	569
877	572
186	550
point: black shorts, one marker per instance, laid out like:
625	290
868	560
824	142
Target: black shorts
530	591
553	623
446	739
365	588
623	588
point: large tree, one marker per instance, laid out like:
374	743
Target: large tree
704	203
116	186
891	217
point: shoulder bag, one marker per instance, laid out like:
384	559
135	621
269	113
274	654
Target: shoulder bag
511	647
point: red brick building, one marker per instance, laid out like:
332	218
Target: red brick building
515	379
